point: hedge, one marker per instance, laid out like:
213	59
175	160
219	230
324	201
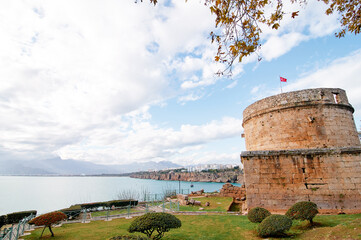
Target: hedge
115	203
72	211
16	217
2	220
122	203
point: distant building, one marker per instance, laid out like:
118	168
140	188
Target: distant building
202	167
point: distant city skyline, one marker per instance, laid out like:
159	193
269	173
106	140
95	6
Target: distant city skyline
121	83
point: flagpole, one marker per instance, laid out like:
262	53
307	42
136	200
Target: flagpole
280	83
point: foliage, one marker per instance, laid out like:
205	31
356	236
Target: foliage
257	214
48	219
115	203
122	203
128	237
303	211
150	222
3	220
274	225
241	23
350	11
16	217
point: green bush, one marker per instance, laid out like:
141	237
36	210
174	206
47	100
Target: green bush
257	214
274	225
154	222
303	211
16	217
129	237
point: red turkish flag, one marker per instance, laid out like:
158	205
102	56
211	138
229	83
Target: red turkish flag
283	79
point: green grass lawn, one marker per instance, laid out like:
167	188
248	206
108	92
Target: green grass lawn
216	204
213	227
113	212
219	204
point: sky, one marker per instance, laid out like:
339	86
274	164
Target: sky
117	82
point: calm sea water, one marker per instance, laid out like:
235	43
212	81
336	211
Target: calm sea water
46	194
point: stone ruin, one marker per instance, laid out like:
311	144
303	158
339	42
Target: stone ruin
184	200
302	146
237	193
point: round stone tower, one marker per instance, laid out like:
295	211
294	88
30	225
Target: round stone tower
312	118
302	146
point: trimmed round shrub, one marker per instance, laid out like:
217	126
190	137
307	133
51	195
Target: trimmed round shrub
274	225
154	222
47	220
303	211
257	214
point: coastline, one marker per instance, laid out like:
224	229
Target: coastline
216	177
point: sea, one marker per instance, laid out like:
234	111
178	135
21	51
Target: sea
50	193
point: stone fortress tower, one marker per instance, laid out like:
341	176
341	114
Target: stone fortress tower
302	146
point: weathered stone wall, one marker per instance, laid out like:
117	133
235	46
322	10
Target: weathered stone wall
228	190
329	177
302	146
313	118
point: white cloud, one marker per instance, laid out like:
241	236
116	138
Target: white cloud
198	83
232	84
78	79
190	97
210	157
278	45
311	23
143	141
255	89
74	71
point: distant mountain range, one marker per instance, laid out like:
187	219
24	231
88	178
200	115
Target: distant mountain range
57	166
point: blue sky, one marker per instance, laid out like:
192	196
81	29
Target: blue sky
117	82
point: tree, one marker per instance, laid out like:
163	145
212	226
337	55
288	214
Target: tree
151	222
240	22
47	220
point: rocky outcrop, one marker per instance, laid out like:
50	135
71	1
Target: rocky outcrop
231	176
